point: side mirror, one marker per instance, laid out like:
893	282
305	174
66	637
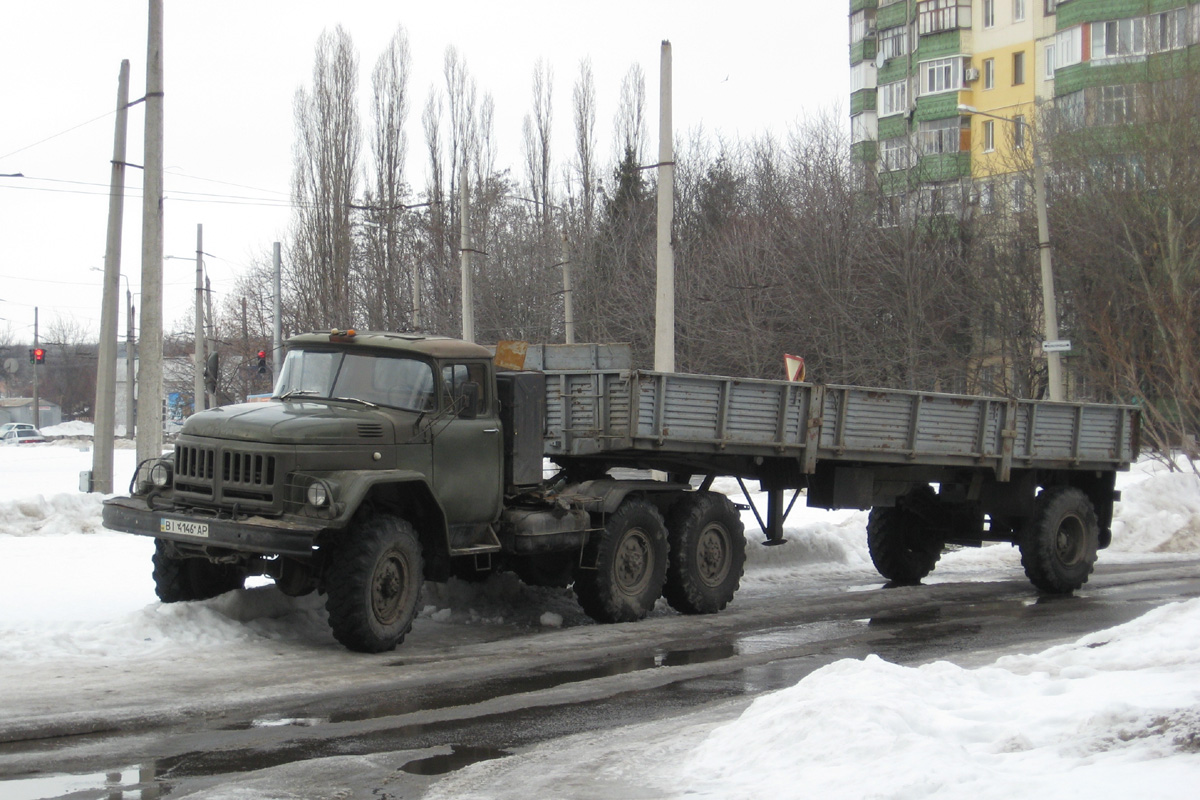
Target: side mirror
470	399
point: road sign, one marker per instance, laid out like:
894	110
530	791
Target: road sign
1057	346
794	366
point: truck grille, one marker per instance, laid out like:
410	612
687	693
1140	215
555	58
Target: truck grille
221	475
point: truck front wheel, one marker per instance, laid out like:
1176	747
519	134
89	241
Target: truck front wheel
178	580
901	547
1059	543
707	553
630	555
373	582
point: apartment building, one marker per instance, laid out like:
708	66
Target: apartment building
941	89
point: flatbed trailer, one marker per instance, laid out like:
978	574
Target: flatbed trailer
990	458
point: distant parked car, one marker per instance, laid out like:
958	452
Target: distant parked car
26	434
16	426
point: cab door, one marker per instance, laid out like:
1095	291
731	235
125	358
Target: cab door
468	448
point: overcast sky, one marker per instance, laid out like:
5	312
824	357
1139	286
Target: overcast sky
231	73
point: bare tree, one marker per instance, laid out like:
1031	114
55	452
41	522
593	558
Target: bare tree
630	122
537	140
583	107
324	184
390	269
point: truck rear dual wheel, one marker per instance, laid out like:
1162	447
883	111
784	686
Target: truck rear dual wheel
178	580
1059	543
901	548
707	553
630	555
373	581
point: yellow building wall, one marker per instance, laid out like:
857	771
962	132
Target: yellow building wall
1003	100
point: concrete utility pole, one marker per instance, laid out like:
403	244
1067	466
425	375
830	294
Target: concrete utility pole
664	300
568	309
277	321
468	292
1054	373
106	362
198	401
37	403
150	369
130	360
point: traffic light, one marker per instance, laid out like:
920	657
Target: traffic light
262	362
37	356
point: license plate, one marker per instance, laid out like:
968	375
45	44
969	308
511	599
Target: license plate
183	526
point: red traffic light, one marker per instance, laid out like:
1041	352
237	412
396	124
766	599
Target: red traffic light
262	353
39	355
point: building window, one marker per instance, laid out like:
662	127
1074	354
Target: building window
894	153
1018	10
989	13
1168	31
862	76
1019	131
987	198
1068	47
942	75
1018	193
1048	58
893	98
940	136
893	42
989	73
1071	110
1018	68
862	25
863	127
989	135
934	16
1051	6
1115	105
1121	38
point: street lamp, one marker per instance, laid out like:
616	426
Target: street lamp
1049	308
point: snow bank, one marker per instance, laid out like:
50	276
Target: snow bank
1112	715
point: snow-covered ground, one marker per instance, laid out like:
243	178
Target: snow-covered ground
1115	714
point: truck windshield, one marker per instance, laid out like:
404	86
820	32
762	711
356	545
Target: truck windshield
386	381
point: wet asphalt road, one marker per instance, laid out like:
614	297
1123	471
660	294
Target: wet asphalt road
432	710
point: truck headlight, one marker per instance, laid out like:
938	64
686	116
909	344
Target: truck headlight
160	475
318	494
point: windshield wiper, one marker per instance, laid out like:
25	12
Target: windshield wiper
366	403
296	393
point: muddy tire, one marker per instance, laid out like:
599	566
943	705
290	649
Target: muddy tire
178	580
707	553
373	581
630	555
901	547
1059	543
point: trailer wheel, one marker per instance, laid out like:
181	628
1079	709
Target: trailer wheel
1059	543
630	555
373	581
707	553
180	579
901	547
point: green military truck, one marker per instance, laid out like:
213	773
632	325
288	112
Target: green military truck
384	460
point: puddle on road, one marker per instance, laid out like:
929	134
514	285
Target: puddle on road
132	783
461	756
460	696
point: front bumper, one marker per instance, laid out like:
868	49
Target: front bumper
284	536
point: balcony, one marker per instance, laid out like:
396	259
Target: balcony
937	16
